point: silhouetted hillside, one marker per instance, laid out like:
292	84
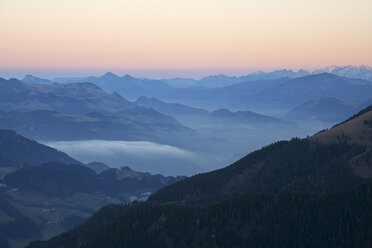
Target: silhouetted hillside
299	193
16	150
39	202
44	192
56	179
338	220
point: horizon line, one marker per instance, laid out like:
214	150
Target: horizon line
66	73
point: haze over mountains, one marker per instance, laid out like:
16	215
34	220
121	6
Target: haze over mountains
185	124
44	191
112	139
204	118
132	88
314	192
214	81
51	126
255	91
326	109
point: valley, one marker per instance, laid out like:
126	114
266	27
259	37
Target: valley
165	151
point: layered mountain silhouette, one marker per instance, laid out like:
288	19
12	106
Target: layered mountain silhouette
79	98
313	87
113	82
192	115
44	192
282	89
82	111
321	163
313	192
51	126
130	86
282	93
127	86
310	192
181	112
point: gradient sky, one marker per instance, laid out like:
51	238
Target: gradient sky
162	38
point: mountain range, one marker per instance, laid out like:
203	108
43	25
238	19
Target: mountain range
362	72
328	161
212	81
312	192
82	111
277	94
127	86
78	98
184	113
191	116
53	126
301	192
132	88
278	91
45	192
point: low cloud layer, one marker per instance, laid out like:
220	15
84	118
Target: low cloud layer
139	155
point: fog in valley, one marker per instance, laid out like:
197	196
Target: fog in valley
217	146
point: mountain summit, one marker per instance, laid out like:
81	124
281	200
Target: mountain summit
350	71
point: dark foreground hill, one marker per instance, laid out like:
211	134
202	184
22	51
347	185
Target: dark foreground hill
16	150
330	220
331	160
315	192
39	202
44	192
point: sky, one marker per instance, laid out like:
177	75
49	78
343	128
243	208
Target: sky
189	38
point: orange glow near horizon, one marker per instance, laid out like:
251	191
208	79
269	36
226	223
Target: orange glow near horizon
171	35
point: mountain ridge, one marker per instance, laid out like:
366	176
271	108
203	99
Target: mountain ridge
297	193
19	151
325	166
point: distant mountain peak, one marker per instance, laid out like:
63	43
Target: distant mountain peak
346	67
29	76
33	79
349	71
365	67
283	70
321	75
110	75
127	76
